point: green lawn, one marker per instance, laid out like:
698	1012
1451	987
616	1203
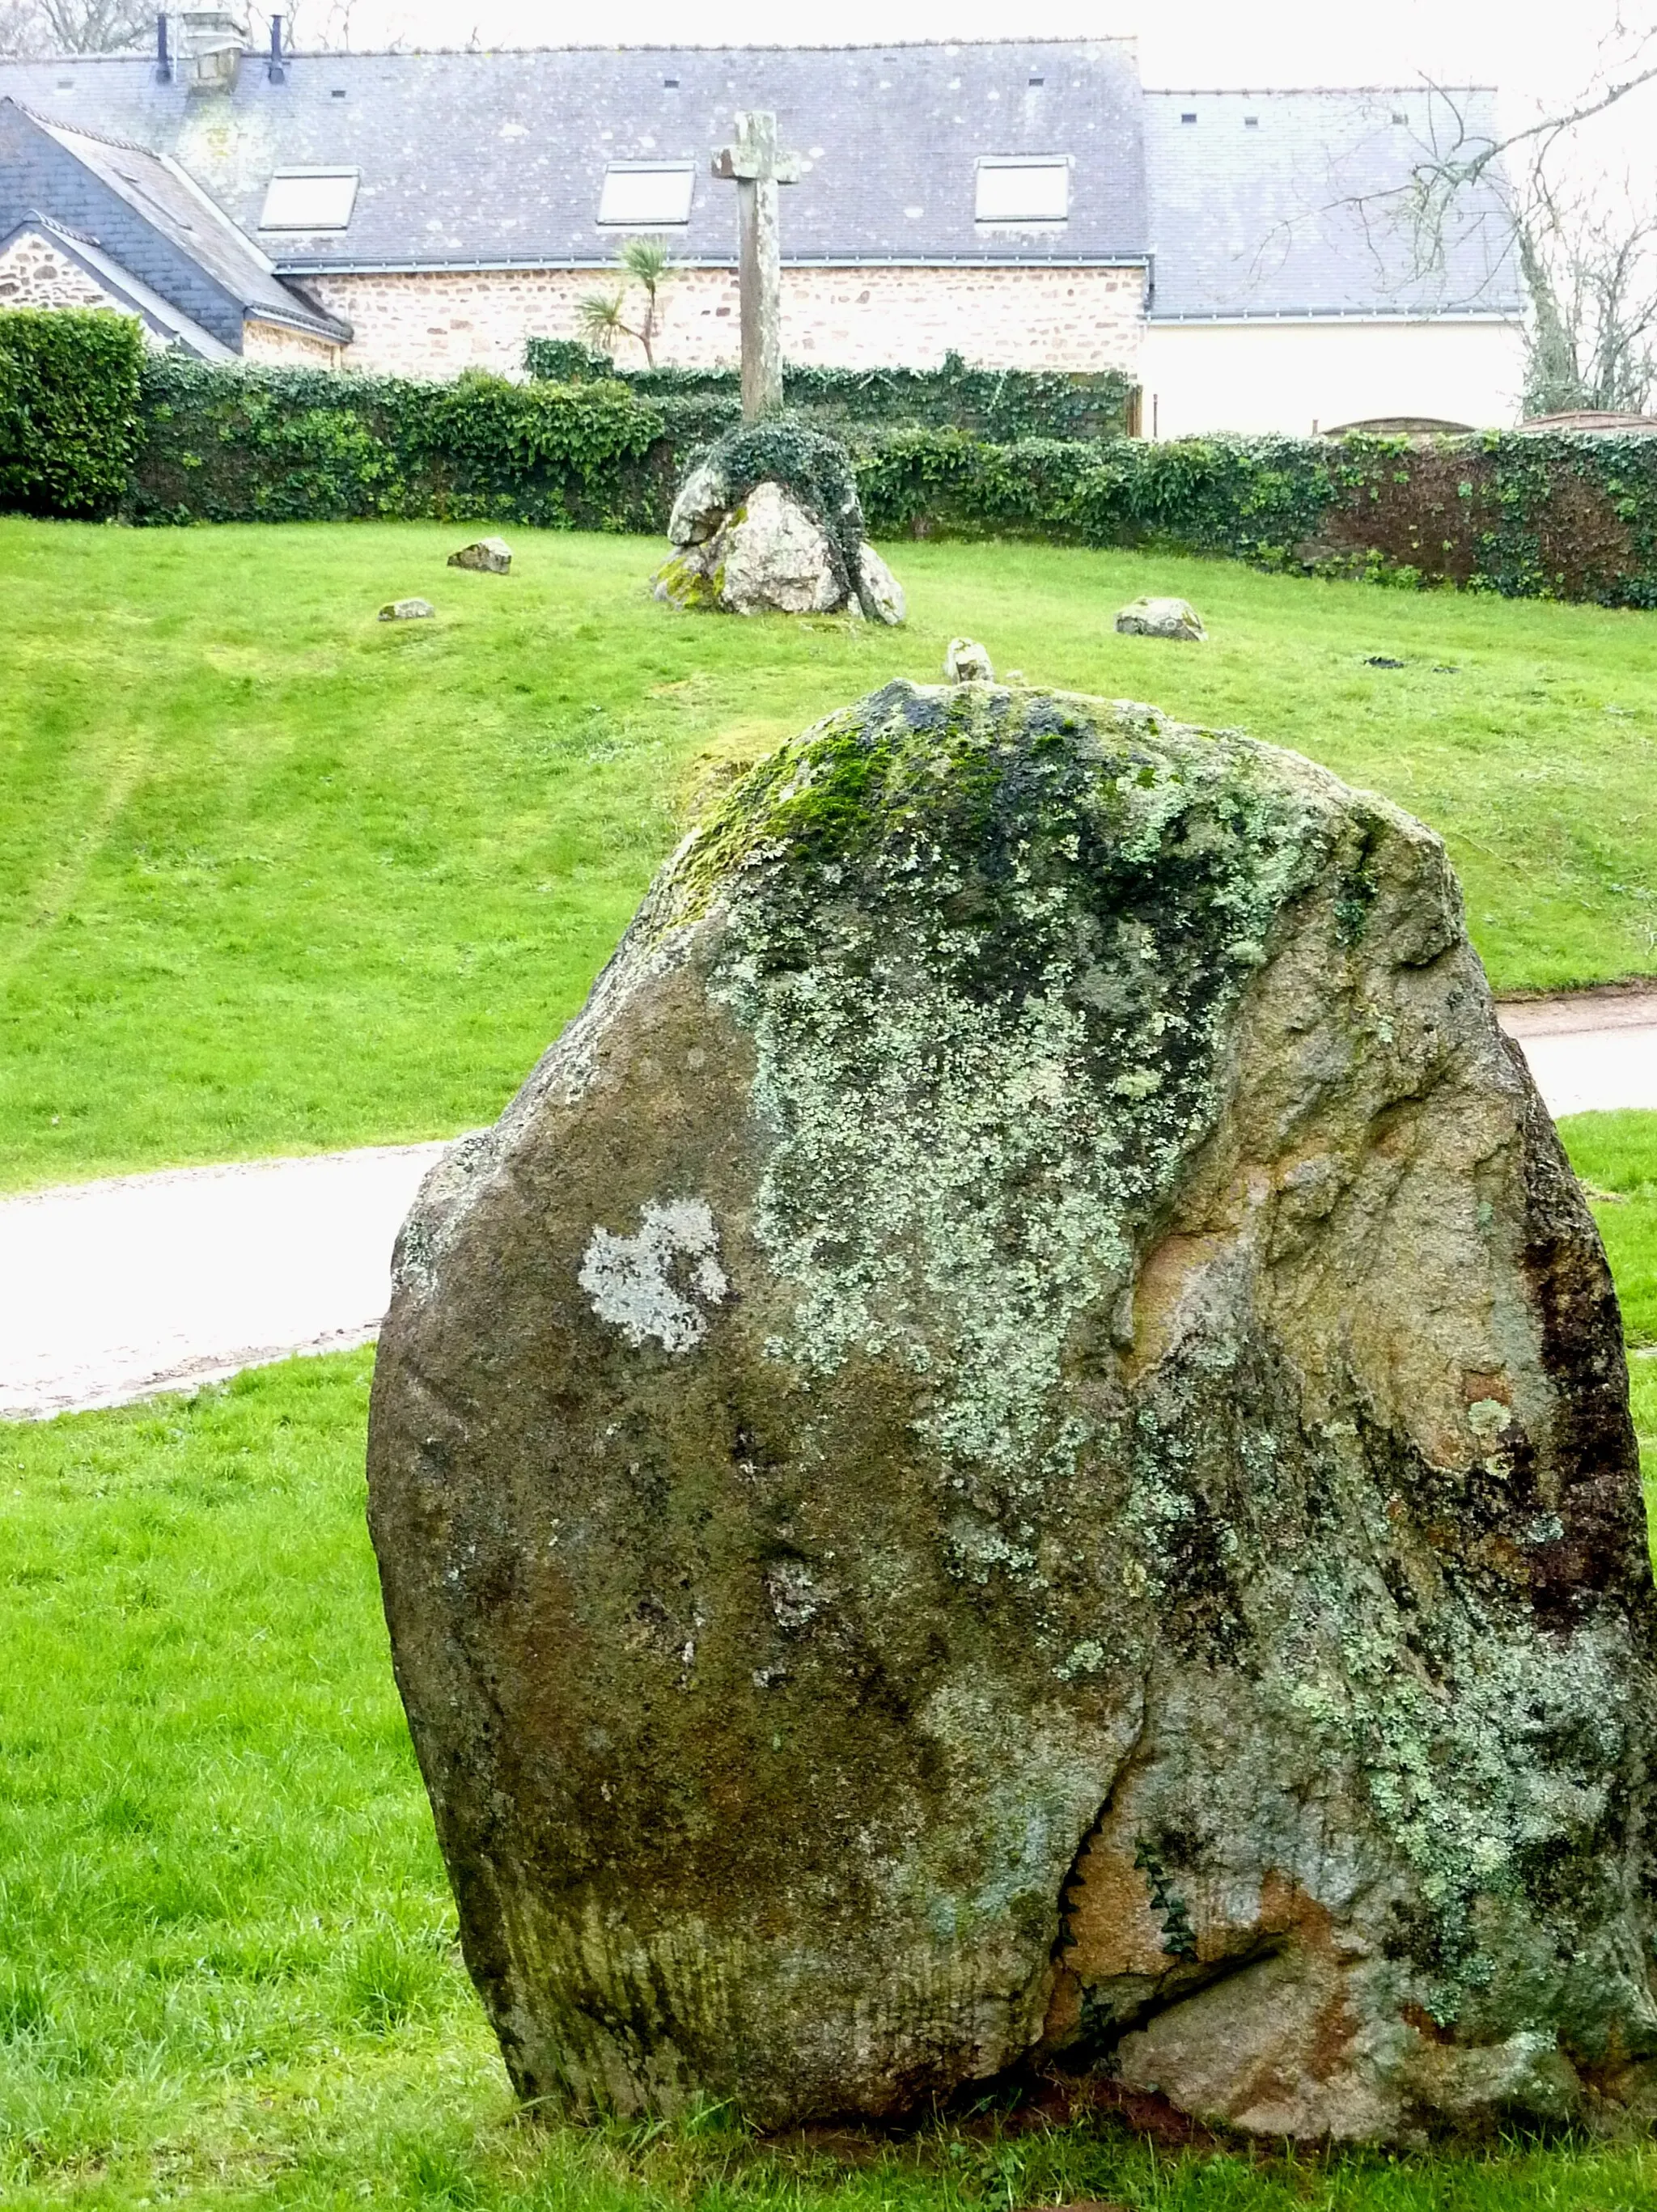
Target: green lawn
275	877
226	1965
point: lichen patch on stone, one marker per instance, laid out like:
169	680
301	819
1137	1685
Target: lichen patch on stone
655	1285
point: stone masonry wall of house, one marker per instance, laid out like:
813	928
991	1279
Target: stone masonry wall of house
437	324
36	273
278	347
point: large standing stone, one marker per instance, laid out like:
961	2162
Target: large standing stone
767	557
1018	1447
767	521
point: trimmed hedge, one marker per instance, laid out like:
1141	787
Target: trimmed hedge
289	445
68	408
997	403
1566	515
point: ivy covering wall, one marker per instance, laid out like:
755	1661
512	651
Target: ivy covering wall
68	408
997	403
1566	515
290	445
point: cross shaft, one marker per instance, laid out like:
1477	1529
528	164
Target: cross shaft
754	165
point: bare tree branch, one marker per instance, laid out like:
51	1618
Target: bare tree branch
30	29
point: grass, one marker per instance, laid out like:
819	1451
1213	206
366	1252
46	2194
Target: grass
1615	1155
274	877
228	1970
277	877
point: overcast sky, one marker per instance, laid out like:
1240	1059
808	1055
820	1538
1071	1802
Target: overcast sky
1524	46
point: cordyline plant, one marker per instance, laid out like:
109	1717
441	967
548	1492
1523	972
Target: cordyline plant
647	263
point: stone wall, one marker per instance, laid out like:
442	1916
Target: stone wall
36	272
437	324
283	348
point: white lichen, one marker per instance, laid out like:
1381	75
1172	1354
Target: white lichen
655	1285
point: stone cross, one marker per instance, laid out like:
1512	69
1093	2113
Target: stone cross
756	168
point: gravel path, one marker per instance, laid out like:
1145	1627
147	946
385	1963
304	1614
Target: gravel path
113	1290
1591	1050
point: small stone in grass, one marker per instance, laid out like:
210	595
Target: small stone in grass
1176	619
966	662
490	556
407	610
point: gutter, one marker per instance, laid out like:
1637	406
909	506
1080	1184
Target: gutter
1502	316
552	263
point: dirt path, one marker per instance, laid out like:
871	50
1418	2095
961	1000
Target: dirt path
113	1290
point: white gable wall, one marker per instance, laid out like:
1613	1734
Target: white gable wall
1296	377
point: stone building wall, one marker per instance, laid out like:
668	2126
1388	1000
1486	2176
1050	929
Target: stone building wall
283	348
438	323
35	272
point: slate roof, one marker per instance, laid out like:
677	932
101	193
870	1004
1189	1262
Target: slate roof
1301	211
481	158
139	207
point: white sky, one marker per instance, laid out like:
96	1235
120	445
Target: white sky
1524	45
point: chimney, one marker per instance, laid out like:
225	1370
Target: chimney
208	45
276	72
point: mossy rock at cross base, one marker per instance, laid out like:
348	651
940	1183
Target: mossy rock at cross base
1017	1452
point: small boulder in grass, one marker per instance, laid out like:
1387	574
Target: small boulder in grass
1162	618
966	661
407	610
490	556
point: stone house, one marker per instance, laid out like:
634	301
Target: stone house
1024	203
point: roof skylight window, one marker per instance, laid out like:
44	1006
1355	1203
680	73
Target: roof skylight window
309	199
1022	188
646	195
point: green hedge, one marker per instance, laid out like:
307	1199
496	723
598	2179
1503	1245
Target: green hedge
1566	516
68	408
1569	516
997	403
287	445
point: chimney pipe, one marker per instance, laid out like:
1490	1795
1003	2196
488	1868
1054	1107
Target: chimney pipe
163	59
277	73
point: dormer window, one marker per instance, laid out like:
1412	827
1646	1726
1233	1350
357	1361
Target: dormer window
309	199
646	195
1022	188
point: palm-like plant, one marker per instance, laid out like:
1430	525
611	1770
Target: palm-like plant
601	317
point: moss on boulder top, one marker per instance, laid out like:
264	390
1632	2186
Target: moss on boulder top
1018	1450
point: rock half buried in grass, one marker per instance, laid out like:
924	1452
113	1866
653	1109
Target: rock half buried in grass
1176	619
489	557
1017	1450
407	610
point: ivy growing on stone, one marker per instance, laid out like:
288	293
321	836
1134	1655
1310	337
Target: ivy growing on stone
814	469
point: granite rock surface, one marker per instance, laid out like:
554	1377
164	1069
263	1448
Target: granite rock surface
1175	618
1017	1452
